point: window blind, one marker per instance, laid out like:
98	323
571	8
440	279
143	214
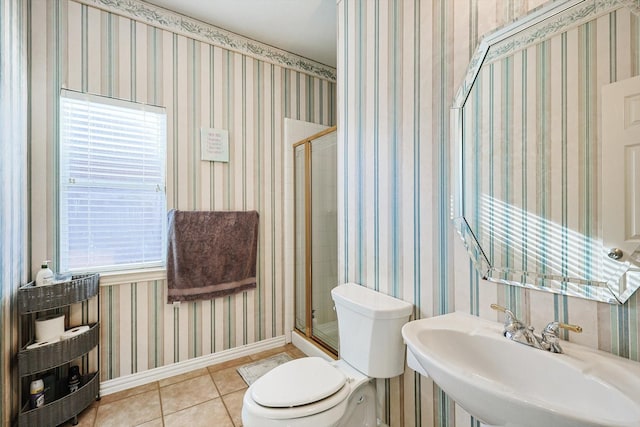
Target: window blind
112	202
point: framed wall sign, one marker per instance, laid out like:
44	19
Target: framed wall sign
214	144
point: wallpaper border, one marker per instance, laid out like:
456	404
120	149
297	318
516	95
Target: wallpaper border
180	24
493	46
584	12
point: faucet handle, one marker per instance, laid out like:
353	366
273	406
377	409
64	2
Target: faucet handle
570	327
554	326
510	319
499	308
550	337
506	311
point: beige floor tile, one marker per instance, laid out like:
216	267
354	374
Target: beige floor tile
131	411
187	393
86	418
228	380
210	413
288	347
158	422
229	363
295	353
207	396
183	377
233	402
128	393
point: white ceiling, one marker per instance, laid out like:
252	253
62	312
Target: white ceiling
304	27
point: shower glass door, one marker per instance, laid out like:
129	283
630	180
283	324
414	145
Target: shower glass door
316	231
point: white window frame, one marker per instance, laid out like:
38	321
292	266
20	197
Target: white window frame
144	185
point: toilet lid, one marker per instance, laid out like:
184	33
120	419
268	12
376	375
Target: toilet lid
299	382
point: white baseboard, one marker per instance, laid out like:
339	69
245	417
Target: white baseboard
162	372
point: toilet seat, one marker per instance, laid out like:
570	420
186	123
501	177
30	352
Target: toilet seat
282	378
299	382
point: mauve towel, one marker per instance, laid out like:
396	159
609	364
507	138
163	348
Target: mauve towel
210	254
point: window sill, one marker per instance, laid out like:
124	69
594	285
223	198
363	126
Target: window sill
111	278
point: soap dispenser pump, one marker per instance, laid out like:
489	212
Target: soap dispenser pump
45	275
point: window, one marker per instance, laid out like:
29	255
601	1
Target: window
112	202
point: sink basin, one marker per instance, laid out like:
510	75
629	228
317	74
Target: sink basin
504	383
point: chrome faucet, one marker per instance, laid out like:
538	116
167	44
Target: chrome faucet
517	331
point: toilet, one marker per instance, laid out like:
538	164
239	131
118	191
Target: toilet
314	392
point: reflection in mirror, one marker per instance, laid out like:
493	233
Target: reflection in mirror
527	147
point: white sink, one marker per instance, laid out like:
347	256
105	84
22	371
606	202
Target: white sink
504	383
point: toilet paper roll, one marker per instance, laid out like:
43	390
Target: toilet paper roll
49	327
42	343
70	333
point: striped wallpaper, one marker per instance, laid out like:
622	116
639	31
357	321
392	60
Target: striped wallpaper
13	200
113	49
399	66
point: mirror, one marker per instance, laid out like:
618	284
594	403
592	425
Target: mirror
528	188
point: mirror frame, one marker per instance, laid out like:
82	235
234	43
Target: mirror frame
549	20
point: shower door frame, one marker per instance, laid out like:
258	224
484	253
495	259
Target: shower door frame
308	332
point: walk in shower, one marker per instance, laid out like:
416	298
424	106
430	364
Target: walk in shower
316	237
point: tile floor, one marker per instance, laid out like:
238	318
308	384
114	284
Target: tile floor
209	396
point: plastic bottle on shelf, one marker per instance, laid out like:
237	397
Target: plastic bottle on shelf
74	378
36	393
45	275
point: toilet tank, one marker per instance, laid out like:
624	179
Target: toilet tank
369	326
